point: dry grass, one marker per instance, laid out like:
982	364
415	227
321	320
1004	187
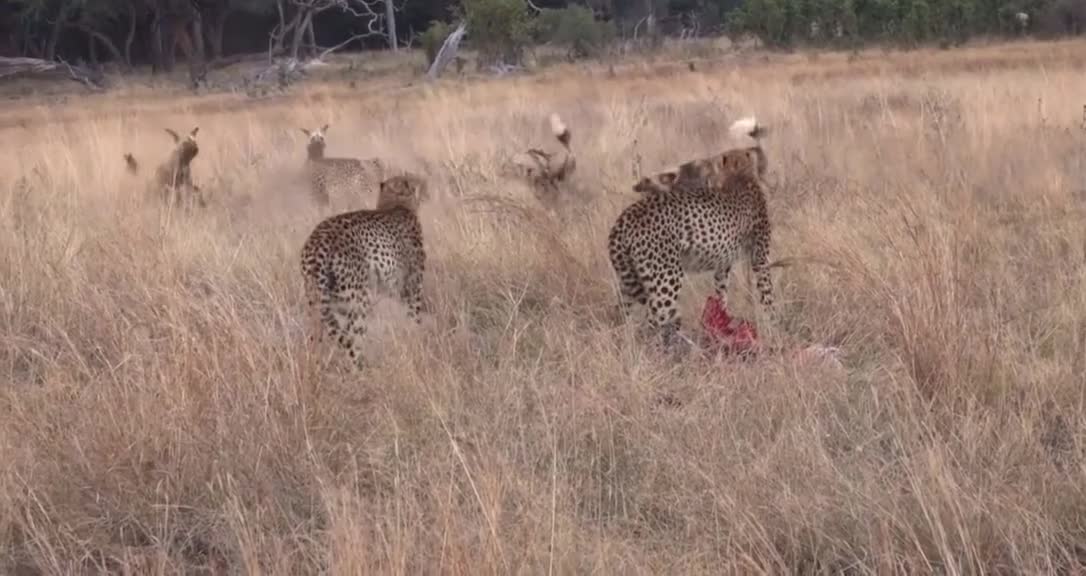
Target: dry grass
159	411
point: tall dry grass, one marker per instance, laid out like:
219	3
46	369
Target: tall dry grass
160	413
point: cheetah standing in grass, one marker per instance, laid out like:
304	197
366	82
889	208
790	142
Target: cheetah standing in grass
349	257
345	173
173	178
702	217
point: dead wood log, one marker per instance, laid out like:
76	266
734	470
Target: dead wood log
11	67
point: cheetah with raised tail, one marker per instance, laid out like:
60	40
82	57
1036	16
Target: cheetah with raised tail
349	258
342	173
702	217
173	178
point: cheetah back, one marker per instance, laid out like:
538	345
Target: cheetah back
349	258
691	227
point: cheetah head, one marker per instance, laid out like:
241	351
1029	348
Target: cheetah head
315	147
716	169
403	190
187	149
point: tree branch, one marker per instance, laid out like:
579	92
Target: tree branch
328	51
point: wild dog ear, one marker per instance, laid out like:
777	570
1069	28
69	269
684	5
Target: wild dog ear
194	131
324	129
306	132
176	138
689	170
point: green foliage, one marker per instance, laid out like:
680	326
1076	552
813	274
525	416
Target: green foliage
433	38
498	29
947	22
575	28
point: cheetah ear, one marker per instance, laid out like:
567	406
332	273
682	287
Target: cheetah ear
176	138
668	178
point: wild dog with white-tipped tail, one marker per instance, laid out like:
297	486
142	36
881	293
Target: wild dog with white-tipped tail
173	177
544	170
750	159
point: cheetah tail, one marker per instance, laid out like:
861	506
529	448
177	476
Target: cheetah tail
130	162
561	131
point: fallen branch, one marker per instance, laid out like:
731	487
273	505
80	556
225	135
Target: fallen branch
10	67
324	54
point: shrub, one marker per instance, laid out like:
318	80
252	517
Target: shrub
575	28
498	29
433	38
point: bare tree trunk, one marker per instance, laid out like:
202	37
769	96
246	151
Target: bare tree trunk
390	25
299	32
93	36
279	33
197	59
169	45
92	51
312	36
131	34
157	54
54	34
215	33
447	52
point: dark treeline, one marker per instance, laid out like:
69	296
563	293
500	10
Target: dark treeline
163	32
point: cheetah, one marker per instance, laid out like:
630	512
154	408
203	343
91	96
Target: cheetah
173	178
350	257
348	173
754	161
694	224
546	171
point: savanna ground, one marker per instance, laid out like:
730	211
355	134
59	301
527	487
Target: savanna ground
160	411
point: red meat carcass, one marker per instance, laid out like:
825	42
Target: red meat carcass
721	331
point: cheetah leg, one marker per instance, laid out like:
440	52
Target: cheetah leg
663	298
332	320
761	273
720	278
411	294
357	311
630	286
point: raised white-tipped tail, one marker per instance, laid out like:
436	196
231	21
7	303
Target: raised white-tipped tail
748	127
561	131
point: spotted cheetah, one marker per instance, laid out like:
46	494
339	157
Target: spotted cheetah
346	173
694	225
546	171
173	178
348	258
